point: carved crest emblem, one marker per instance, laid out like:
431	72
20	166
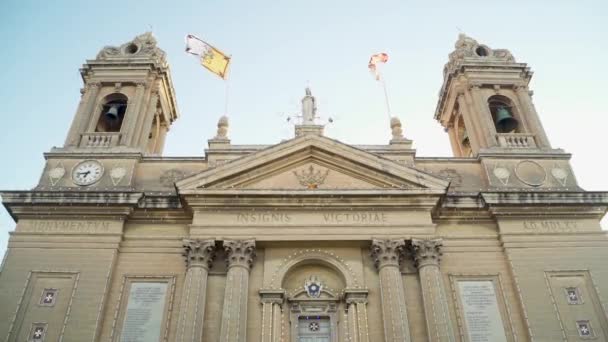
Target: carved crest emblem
311	178
313	287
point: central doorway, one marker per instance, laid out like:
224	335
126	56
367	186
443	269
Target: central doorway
314	329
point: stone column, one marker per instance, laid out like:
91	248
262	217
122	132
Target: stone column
427	254
387	254
132	115
199	256
356	308
272	314
84	114
239	256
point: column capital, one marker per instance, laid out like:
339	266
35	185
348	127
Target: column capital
240	253
199	253
355	296
92	85
387	252
272	296
427	251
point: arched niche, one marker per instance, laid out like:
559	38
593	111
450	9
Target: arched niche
317	257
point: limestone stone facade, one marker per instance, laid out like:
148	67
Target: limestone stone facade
310	239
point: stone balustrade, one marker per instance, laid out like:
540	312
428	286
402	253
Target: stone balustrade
99	139
516	140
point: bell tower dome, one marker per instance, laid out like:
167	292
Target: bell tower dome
128	102
485	104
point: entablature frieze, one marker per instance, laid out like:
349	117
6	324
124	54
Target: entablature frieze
76	204
546	204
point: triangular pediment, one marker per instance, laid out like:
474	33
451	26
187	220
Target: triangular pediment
311	163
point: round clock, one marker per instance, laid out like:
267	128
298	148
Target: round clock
87	172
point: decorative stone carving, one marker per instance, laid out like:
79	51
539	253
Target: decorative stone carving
396	128
427	251
387	252
502	174
56	173
310	178
199	253
313	287
169	177
222	128
239	253
117	174
452	175
468	48
143	45
530	172
560	175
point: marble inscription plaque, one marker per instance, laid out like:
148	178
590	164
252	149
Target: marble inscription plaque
481	313
144	313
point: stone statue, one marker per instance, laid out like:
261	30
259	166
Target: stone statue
222	128
396	128
309	108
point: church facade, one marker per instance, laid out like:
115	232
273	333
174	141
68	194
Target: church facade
311	239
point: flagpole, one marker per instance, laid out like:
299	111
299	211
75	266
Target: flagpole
388	106
226	98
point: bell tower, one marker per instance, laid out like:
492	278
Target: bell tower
128	102
485	104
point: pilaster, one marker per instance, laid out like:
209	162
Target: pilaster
147	120
356	308
239	257
132	115
427	254
272	314
387	255
531	116
199	256
84	113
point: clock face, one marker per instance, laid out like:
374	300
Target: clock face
87	172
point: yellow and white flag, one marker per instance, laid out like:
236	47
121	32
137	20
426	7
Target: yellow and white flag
211	58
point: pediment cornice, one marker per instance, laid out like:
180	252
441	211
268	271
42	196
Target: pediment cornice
317	155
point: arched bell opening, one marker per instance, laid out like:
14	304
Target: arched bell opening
112	113
503	114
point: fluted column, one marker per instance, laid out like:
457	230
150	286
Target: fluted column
272	314
84	114
387	255
427	254
356	307
239	256
199	256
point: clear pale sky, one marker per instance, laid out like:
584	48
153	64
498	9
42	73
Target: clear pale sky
278	47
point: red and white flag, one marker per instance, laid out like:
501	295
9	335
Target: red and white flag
375	61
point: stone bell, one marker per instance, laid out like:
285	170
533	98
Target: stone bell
112	113
505	122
